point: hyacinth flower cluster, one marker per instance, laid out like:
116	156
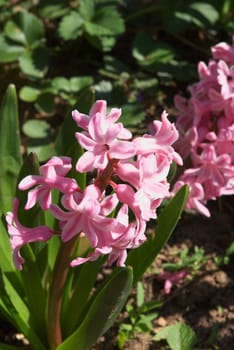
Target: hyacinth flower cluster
129	179
206	126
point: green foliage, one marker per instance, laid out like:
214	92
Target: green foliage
178	336
191	262
225	258
10	156
98	23
140	317
23	40
103	309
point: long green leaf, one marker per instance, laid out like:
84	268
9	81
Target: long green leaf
10	156
9	347
80	294
18	312
141	258
104	308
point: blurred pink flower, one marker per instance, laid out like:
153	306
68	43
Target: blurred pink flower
171	278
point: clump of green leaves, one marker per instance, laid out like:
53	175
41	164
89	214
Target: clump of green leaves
23	40
225	258
191	262
140	317
97	20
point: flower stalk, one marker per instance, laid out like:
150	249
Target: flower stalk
59	278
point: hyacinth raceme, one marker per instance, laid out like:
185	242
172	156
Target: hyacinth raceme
206	126
130	176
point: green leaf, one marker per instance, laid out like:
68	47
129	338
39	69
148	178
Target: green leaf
141	258
36	128
10	155
25	28
80	295
61	84
108	17
29	93
178	336
148	52
52	10
19	312
45	103
44	148
8	51
71	26
140	294
79	83
132	114
8	347
102	312
35	63
87	9
103	28
203	14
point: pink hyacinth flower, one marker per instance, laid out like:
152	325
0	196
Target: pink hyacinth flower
213	167
226	79
224	51
51	177
171	278
117	244
103	139
85	213
148	176
20	235
196	199
164	134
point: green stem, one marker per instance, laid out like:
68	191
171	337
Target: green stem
56	292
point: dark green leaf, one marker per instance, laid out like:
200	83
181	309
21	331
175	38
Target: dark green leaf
55	9
10	155
80	295
35	63
102	312
132	114
9	51
45	103
149	52
25	28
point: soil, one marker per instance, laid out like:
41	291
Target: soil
206	301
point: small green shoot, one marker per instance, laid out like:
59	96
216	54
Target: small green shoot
140	317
